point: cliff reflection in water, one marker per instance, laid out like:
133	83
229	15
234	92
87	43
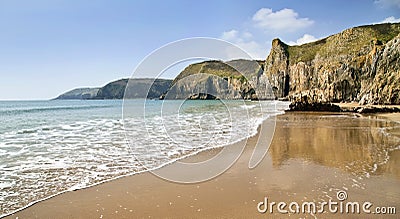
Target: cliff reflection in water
361	146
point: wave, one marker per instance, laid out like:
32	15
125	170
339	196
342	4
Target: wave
54	108
92	151
130	172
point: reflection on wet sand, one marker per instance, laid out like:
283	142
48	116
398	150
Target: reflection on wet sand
360	146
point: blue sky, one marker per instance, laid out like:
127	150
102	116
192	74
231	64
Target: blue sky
50	46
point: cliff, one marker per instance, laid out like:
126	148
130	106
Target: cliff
112	90
359	64
138	88
147	88
79	94
236	79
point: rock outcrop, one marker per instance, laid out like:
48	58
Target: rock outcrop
317	107
359	64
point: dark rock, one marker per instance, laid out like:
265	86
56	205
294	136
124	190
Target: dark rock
318	107
202	96
372	109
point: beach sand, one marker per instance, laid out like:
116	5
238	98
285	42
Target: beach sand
311	158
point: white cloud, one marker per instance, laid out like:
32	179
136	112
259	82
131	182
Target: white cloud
306	38
230	35
247	35
245	41
255	50
388	3
284	20
265	19
391	19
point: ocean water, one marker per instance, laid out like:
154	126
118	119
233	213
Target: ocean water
49	147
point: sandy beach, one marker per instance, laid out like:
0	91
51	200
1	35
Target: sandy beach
150	109
312	157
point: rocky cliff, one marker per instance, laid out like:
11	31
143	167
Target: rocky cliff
359	64
112	90
236	79
138	88
146	88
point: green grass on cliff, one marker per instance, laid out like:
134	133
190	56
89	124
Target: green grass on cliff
306	52
213	67
351	42
238	69
385	32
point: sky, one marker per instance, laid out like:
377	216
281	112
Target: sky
50	46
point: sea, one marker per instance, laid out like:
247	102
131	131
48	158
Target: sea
50	147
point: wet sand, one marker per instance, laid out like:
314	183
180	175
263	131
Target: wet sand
311	158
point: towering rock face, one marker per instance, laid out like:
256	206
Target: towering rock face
359	64
236	79
278	63
385	70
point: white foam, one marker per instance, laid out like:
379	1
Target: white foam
248	106
78	154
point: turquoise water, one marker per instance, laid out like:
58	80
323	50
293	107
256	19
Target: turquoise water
48	147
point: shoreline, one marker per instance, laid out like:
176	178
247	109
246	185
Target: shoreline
53	207
189	156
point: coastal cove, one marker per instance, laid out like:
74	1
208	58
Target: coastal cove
312	156
200	109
